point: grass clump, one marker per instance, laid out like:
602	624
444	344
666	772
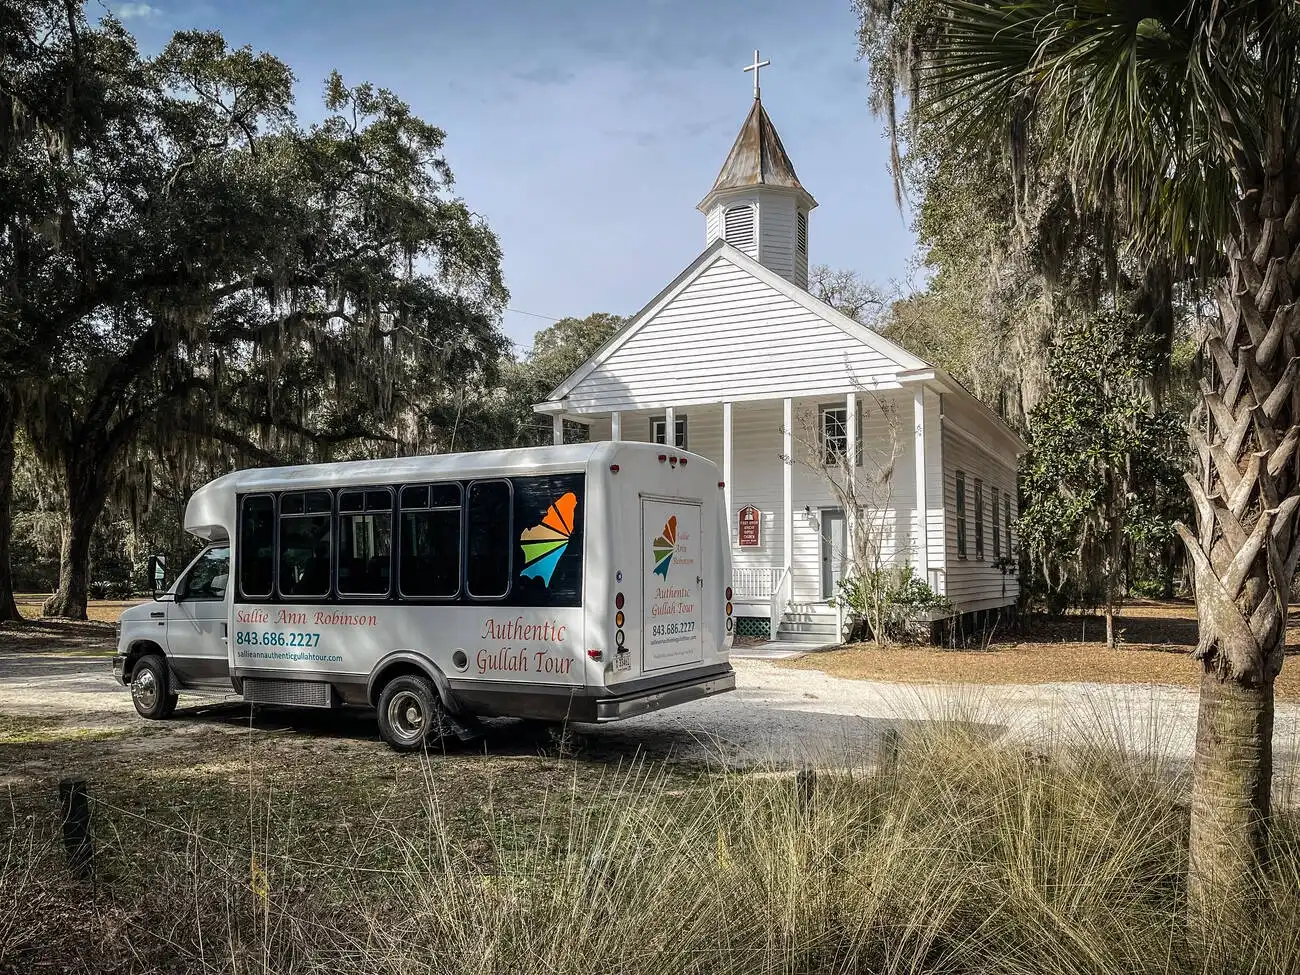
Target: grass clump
960	856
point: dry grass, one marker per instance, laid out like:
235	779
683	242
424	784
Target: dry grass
961	858
1156	642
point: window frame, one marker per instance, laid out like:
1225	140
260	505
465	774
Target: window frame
331	592
822	410
461	548
995	527
510	549
336	541
183	583
959	501
659	424
1006	501
243	594
979	520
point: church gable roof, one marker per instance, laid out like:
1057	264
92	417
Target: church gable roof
728	327
757	157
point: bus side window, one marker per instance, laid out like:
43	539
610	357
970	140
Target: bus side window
365	542
256	546
305	537
489	546
429	564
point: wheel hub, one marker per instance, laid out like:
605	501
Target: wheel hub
144	688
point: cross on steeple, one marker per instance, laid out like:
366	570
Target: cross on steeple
754	68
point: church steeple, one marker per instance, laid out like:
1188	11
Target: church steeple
757	202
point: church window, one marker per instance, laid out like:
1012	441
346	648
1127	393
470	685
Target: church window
961	514
835	435
738	226
657	430
802	219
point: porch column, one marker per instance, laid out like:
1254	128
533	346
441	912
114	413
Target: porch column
557	428
851	448
922	509
787	481
670	427
726	466
616	426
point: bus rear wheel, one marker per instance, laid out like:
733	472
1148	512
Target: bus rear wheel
411	715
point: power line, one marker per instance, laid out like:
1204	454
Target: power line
532	314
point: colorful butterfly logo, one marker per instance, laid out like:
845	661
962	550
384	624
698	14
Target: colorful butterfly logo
545	543
665	547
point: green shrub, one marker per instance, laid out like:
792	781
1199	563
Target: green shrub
886	604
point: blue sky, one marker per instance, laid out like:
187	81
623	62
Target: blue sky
585	132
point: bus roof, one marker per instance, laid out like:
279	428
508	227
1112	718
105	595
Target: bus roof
483	463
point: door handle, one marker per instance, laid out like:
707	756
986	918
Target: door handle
157	616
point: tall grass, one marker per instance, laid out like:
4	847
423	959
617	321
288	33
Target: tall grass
959	856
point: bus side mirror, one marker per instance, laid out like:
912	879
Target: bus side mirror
157	574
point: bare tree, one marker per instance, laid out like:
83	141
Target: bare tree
860	476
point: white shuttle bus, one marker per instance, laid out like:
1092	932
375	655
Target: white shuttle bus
581	583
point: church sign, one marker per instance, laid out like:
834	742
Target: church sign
751	520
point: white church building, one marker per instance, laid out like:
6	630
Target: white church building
735	360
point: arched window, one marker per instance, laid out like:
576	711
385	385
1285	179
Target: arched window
738	226
803	232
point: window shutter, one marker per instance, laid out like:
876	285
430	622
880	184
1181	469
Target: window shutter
738	224
803	232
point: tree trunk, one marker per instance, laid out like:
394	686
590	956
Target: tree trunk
8	427
1245	550
86	496
1230	795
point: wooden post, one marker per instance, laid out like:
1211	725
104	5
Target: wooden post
805	781
75	804
557	429
616	426
889	743
787	482
670	427
922	509
726	471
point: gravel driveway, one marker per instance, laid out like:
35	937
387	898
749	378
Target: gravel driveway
776	716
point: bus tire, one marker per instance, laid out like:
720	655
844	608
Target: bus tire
411	715
150	690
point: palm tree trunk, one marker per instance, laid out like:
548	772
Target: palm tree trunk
8	428
1245	549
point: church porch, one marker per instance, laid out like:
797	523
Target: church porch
770	453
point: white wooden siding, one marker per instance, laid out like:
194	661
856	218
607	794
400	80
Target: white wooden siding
973	584
729	334
776	235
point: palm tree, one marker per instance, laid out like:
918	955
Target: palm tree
1179	124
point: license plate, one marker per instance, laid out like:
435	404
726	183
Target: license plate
622	661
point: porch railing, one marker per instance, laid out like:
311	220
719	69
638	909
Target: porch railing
754	584
781	593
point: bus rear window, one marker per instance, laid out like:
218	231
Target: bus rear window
548	539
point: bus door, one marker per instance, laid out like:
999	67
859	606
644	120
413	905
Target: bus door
197	621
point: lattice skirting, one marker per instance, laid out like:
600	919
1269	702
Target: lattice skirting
753	626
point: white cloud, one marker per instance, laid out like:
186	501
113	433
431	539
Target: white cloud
137	11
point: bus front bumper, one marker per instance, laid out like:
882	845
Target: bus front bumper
616	708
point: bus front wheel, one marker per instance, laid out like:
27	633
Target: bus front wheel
411	715
149	689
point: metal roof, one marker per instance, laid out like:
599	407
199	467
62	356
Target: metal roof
757	157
